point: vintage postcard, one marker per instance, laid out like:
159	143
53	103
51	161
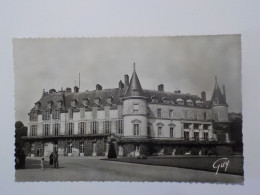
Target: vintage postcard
129	109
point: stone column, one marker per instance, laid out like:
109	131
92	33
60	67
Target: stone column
107	148
120	151
211	133
191	133
201	132
94	150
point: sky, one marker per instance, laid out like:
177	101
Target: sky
187	63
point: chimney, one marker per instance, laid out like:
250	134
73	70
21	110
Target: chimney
76	89
161	87
121	85
98	87
126	80
203	96
68	90
52	91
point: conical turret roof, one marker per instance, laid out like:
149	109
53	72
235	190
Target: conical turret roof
217	95
134	88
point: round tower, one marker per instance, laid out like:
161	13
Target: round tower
135	109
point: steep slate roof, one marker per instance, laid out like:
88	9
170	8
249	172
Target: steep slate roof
217	94
134	88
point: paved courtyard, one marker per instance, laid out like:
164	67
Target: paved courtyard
95	169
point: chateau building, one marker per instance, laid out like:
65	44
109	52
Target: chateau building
136	120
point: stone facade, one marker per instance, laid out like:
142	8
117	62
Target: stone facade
137	121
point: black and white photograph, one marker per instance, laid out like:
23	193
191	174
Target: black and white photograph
151	109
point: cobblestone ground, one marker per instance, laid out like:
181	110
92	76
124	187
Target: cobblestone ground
95	169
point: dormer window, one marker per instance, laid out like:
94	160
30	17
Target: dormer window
135	92
97	101
109	100
154	99
180	101
37	105
59	103
189	102
215	101
49	105
74	102
165	100
85	102
198	102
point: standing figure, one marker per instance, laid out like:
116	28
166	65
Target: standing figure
42	164
51	160
55	160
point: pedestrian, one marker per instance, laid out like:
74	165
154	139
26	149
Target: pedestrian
55	160
42	164
51	160
22	159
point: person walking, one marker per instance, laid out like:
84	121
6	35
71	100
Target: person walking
51	160
42	164
55	160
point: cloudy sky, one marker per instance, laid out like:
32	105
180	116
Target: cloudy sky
188	63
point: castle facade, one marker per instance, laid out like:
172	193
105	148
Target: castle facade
136	120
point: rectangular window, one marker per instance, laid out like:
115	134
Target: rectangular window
136	129
107	127
69	147
171	132
81	147
33	116
70	127
82	127
159	112
196	126
46	115
170	113
82	113
94	127
55	148
205	126
119	126
70	113
46	129
186	135
56	129
196	136
136	107
56	114
206	135
159	131
33	130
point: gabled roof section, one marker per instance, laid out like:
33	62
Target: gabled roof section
134	88
217	96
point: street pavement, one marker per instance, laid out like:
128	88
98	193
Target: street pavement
96	169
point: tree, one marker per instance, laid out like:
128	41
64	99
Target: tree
20	130
112	151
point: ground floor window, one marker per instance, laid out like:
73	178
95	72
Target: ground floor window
159	131
46	129
81	147
69	147
206	136
149	131
186	135
171	132
55	148
136	129
196	136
